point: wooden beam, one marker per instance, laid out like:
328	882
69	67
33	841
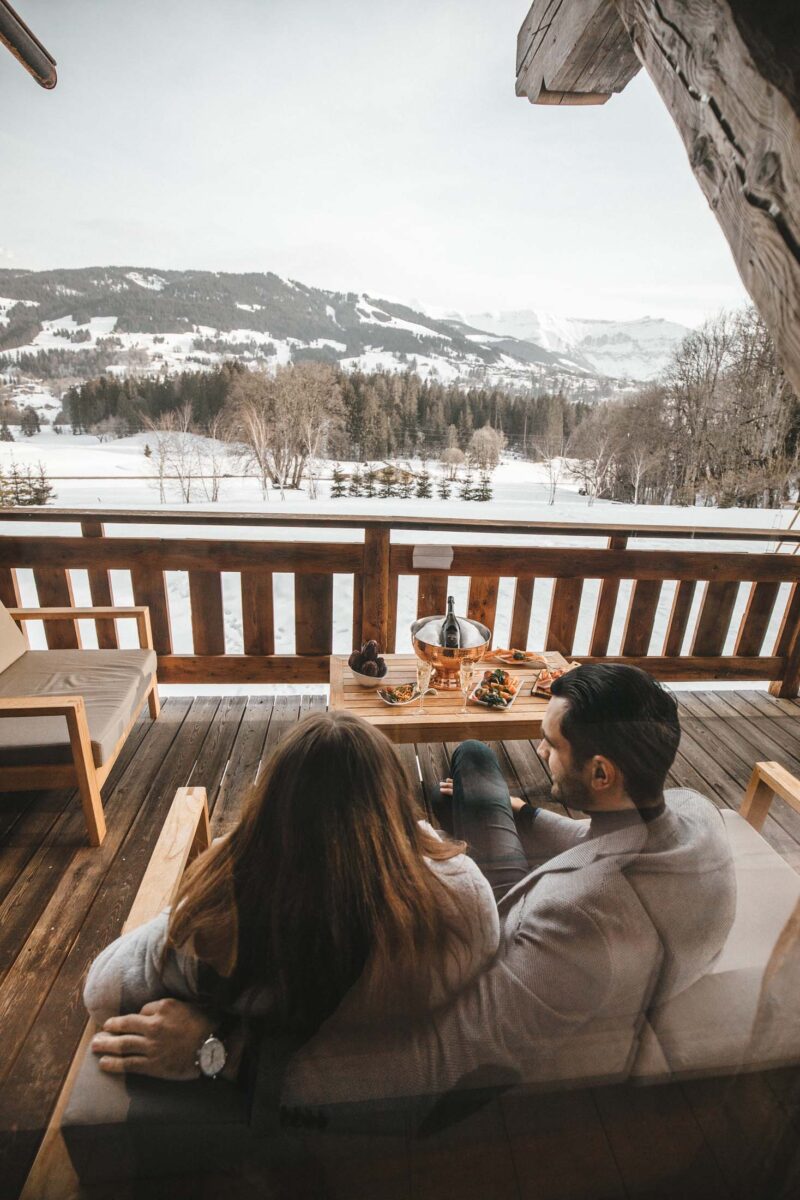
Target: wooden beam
724	70
573	52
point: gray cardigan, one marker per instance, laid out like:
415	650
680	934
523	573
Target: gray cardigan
133	970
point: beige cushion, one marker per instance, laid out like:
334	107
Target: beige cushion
712	1027
112	683
12	641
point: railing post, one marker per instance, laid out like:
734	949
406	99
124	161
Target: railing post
375	609
100	591
788	646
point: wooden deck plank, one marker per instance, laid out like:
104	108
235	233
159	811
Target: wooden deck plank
47	862
744	745
243	764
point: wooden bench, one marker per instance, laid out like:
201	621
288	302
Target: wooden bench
185	835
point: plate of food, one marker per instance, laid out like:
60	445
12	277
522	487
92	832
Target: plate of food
497	690
402	693
546	678
518	658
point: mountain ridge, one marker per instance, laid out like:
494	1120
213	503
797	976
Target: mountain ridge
174	319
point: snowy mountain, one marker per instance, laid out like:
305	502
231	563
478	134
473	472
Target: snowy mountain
69	324
622	349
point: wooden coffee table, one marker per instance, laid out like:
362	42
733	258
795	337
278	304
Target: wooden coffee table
443	720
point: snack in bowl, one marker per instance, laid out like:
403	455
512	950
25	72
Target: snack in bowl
497	689
403	693
367	664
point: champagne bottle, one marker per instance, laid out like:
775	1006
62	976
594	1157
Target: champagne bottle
451	630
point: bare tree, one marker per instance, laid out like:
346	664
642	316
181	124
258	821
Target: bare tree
485	447
553	451
451	459
212	458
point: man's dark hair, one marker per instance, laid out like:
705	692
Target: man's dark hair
626	716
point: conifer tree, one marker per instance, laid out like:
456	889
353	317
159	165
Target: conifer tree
389	484
466	491
5	433
407	486
41	489
369	483
424	490
443	488
484	488
355	486
30	421
147	452
338	481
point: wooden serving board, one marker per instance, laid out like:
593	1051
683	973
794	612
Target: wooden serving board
443	720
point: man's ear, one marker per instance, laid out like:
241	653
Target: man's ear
604	773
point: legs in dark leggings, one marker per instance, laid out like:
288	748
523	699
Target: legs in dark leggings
484	819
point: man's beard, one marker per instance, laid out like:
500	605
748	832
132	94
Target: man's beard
572	792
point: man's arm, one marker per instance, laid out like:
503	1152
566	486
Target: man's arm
162	1040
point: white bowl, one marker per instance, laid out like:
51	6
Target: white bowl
372	681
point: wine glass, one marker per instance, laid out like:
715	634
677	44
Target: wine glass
424	671
466	673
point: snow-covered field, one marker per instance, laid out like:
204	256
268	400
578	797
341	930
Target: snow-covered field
89	474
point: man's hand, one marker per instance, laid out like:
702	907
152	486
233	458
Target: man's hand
162	1040
446	789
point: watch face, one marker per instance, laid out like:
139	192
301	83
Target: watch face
212	1056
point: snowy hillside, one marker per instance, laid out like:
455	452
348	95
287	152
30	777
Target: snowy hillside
82	323
622	349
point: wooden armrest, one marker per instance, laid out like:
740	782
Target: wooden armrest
769	779
41	706
138	612
185	834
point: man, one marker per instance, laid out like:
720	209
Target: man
600	918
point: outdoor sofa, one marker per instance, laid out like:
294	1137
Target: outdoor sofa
66	714
741	1016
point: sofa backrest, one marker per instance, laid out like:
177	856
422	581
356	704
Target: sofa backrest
12	642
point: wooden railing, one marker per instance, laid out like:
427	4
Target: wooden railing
697	629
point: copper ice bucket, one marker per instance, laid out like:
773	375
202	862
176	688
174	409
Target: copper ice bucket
426	637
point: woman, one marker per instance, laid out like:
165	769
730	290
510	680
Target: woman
330	886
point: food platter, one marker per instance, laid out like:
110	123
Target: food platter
545	678
496	690
401	693
517	658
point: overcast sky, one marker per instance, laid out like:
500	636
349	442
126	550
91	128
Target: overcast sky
359	145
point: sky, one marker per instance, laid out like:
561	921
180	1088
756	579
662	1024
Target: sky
358	146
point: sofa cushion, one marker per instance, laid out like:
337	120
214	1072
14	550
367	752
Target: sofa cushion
713	1026
12	640
112	682
126	1128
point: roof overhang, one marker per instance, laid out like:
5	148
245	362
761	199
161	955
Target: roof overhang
26	47
573	52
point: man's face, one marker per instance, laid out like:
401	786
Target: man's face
568	784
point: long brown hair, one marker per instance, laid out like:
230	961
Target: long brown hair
323	876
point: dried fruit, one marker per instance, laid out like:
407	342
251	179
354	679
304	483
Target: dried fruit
369	651
370	668
354	661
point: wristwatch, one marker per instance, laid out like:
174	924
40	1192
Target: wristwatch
211	1057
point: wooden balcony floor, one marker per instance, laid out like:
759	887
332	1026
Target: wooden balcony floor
61	902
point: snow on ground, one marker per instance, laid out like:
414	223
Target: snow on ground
88	474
